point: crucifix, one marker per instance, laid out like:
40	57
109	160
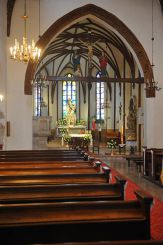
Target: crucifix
89	44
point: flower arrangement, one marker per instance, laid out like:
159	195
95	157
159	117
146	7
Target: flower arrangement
67	138
81	122
112	144
62	122
87	138
63	131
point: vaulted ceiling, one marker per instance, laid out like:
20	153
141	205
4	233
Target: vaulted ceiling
77	38
59	51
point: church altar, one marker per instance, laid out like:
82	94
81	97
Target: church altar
77	129
73	136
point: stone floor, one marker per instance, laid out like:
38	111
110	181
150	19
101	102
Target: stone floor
118	162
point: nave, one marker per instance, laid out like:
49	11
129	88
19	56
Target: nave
48	200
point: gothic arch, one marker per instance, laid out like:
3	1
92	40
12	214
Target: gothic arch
103	15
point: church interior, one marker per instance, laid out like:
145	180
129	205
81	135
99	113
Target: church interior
81	149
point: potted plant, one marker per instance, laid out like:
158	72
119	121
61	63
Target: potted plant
112	145
67	139
87	138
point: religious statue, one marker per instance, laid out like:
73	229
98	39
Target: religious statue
103	63
71	113
89	44
76	63
131	118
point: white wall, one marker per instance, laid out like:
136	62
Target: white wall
135	14
3	63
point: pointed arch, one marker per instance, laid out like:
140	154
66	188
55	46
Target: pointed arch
110	19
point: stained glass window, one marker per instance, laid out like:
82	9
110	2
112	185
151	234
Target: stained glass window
68	91
99	99
37	101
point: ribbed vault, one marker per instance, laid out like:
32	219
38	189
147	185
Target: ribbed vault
74	30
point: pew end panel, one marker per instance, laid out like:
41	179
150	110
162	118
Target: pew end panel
73	222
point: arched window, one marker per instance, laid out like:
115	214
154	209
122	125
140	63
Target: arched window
68	91
99	99
37	101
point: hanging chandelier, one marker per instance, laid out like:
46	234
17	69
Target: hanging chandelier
25	52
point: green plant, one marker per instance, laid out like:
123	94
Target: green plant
63	130
62	122
81	122
112	144
87	138
67	138
99	121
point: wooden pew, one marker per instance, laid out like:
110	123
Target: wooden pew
133	242
67	192
42	155
51	179
39	152
152	166
75	221
44	165
41	158
46	171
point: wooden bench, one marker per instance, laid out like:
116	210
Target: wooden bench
76	221
46	171
45	165
54	151
133	242
152	166
41	158
51	179
67	192
42	155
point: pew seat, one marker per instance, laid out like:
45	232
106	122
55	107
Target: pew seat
44	164
52	179
131	242
46	171
37	223
67	192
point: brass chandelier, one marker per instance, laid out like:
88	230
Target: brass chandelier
25	52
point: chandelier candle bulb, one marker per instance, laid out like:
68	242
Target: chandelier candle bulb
25	52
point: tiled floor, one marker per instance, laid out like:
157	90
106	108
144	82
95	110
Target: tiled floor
120	164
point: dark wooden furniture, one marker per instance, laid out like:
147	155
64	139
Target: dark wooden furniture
152	167
133	157
38	155
75	221
51	179
48	171
45	165
131	242
66	192
139	164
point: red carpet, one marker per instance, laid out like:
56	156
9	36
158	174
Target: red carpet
156	210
